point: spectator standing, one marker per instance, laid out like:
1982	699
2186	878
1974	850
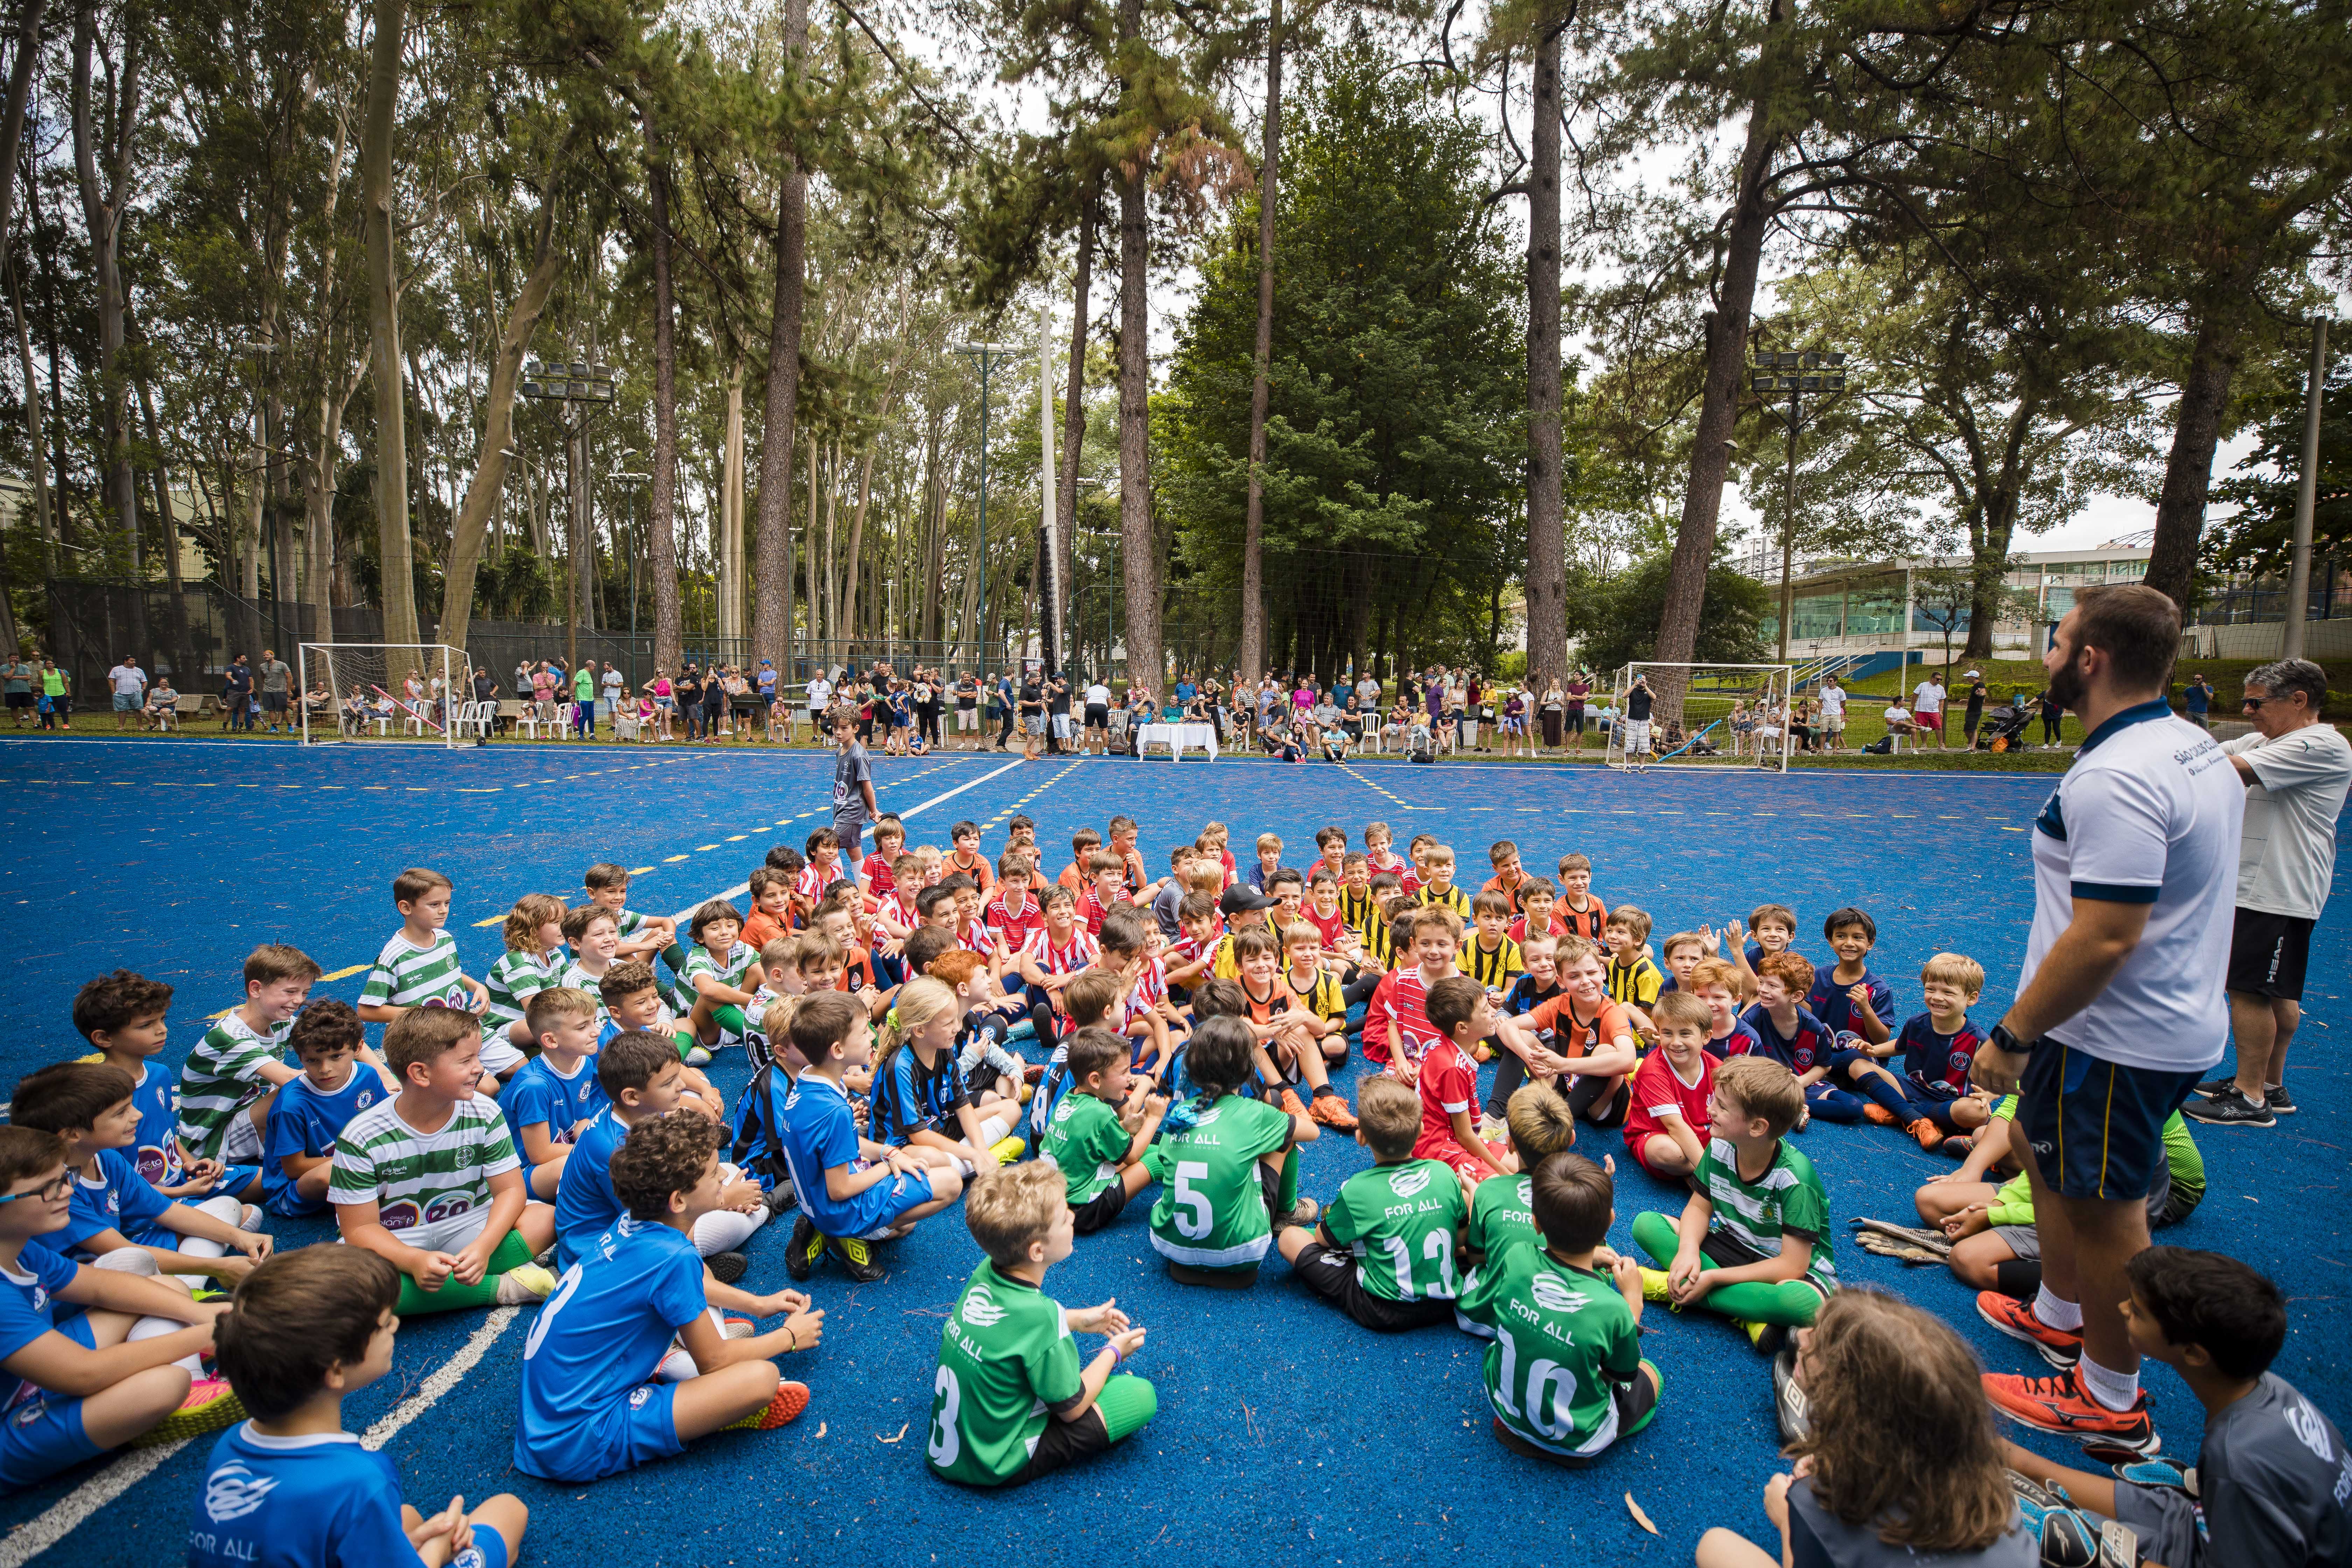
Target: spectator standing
2053	714
1928	708
130	684
18	674
2198	701
277	692
820	698
1833	712
1975	715
2119	1006
1578	691
610	684
583	698
714	704
2296	771
237	694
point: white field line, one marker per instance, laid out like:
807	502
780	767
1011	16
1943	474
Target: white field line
453	1371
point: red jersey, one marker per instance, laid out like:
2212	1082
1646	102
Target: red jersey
1659	1090
1588	922
977	936
1091	910
1554	924
1150	990
1448	1082
1327	926
1396	862
1016	921
879	880
812	881
1062	958
977	870
1401	998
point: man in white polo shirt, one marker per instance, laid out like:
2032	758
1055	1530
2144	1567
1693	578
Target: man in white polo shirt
2298	771
2119	1008
1928	705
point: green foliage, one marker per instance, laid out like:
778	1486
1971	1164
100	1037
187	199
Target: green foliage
1613	622
2255	541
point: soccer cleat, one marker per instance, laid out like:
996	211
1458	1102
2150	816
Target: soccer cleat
806	1249
727	1267
739	1328
1928	1136
524	1284
2058	1405
1789	1406
1959	1146
695	1056
1291	1103
211	1406
781	1196
857	1259
1007	1150
1935	1241
1656	1286
2059	1347
1033	1073
1768	1338
785	1409
2228	1109
1305	1211
1332	1111
1877	1115
1493	1128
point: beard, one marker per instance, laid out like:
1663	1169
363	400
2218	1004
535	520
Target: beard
2068	687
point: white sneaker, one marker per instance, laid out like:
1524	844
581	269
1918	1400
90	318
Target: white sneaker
1494	1129
696	1055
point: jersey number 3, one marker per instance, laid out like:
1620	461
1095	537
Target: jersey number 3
944	1444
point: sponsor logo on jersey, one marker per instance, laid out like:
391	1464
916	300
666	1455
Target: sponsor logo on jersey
30	1411
979	1310
1409	1180
2306	1423
151	1163
1552	1294
363	1099
400	1215
1208	1116
234	1490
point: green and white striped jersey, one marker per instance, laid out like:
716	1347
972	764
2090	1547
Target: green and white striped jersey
421	1178
732	970
580	979
1787	1199
408	976
222	1077
515	979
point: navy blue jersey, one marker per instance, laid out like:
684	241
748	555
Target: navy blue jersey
1828	1002
910	1097
1801	1052
1938	1063
758	1147
1742	1041
307	1120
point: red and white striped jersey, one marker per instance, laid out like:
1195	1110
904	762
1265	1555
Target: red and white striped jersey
1401	998
1080	952
977	936
1018	921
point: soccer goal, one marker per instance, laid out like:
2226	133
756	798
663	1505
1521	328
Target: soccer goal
411	691
1700	716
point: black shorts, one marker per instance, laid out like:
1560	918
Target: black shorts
1330	1272
1573	720
1635	1402
2097	1127
273	703
20	700
2268	953
1098	716
1061	1445
1099	1210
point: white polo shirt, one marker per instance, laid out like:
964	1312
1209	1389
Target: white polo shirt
2287	858
1929	698
2148	813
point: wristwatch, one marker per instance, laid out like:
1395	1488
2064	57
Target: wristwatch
2002	1040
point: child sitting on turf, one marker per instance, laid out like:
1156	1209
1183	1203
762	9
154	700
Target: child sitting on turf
76	1384
1239	1161
1316	992
306	1331
1847	996
1437	881
1125	943
595	940
1384	1253
964	855
1565	1376
1792	1037
1053	956
1083	844
88	1105
311	1112
637	1084
1011	1402
1539	1125
1774	927
2268	1484
919	1093
1489	955
853	1190
723	972
123	1016
1538	912
1459	1008
1717	983
1900	1462
641	935
772	907
1579	909
1289	1050
987	1019
1667	1124
1098	1134
877	873
555	1095
1929	1097
1681	954
1091	997
1538	984
1509	875
1397	1030
1591	1037
533	961
429	1180
1632	980
770	1011
635	1363
1269	861
419	966
229	1079
633	1003
1753	1242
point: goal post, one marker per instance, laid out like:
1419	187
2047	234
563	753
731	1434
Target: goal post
1701	715
394	691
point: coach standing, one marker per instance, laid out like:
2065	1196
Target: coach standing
2296	771
2119	1007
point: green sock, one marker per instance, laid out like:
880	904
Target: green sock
684	1041
674	955
730	1019
1788	1303
1127	1401
453	1297
1289	1180
1657	1234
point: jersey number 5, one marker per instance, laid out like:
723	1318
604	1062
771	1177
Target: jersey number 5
1194	1217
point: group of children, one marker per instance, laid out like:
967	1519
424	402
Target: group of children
918	1021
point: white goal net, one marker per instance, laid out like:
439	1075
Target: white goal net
394	691
1700	716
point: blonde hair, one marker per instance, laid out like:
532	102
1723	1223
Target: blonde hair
1266	841
1713	971
1540	1121
1390	1114
1764	1088
1682	1007
1684	939
782	952
1956	969
531	911
1576	949
1009	1208
920	1004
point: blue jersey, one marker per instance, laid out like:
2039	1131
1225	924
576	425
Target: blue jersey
119	1199
28	1309
1828	1002
307	1120
598	1341
758	1147
910	1097
296	1502
539	1093
158	1099
1741	1042
1801	1052
1939	1064
585	1204
819	1134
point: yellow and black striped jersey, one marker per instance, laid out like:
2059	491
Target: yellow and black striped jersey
1358	909
1454	899
1636	984
1494	967
1322	996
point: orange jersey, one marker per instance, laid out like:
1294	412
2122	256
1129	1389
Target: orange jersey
1588	922
1576	1034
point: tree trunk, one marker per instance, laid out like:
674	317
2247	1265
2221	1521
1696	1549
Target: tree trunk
772	566
1251	656
857	533
1727	350
1137	536
661	543
21	67
1546	580
482	493
730	513
934	532
2189	470
394	553
102	200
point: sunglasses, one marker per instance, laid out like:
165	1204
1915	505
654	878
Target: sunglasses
49	1192
2257	701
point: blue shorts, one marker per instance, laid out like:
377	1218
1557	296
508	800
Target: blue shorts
489	1550
2097	1127
636	1429
286	1204
43	1434
872	1212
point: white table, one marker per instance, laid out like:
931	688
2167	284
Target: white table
1176	737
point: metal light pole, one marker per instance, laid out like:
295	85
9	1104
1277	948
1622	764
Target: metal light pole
2306	495
632	483
571	382
1769	385
265	537
987	355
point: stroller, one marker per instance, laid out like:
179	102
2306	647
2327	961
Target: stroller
2003	728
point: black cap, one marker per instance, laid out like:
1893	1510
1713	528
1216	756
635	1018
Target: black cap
1240	899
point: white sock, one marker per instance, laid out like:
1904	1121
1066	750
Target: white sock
154	1327
725	1230
2058	1314
995	1129
2115	1390
130	1260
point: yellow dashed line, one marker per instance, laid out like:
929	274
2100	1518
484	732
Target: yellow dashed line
494	920
640	870
667	858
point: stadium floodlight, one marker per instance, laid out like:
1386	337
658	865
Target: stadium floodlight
1817	380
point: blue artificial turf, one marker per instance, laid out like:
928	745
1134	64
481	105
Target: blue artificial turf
1284	1431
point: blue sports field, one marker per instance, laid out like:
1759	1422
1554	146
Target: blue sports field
1285	1432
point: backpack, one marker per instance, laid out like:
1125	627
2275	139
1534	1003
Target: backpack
1884	746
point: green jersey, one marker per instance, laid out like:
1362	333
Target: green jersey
1502	1215
1212	1211
514	979
580	979
1565	1340
1787	1199
1087	1142
421	1178
1006	1365
731	970
406	975
1399	1220
222	1076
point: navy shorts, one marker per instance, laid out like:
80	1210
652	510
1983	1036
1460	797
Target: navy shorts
2097	1127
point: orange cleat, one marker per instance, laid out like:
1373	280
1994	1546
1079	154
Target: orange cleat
785	1409
1331	1111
